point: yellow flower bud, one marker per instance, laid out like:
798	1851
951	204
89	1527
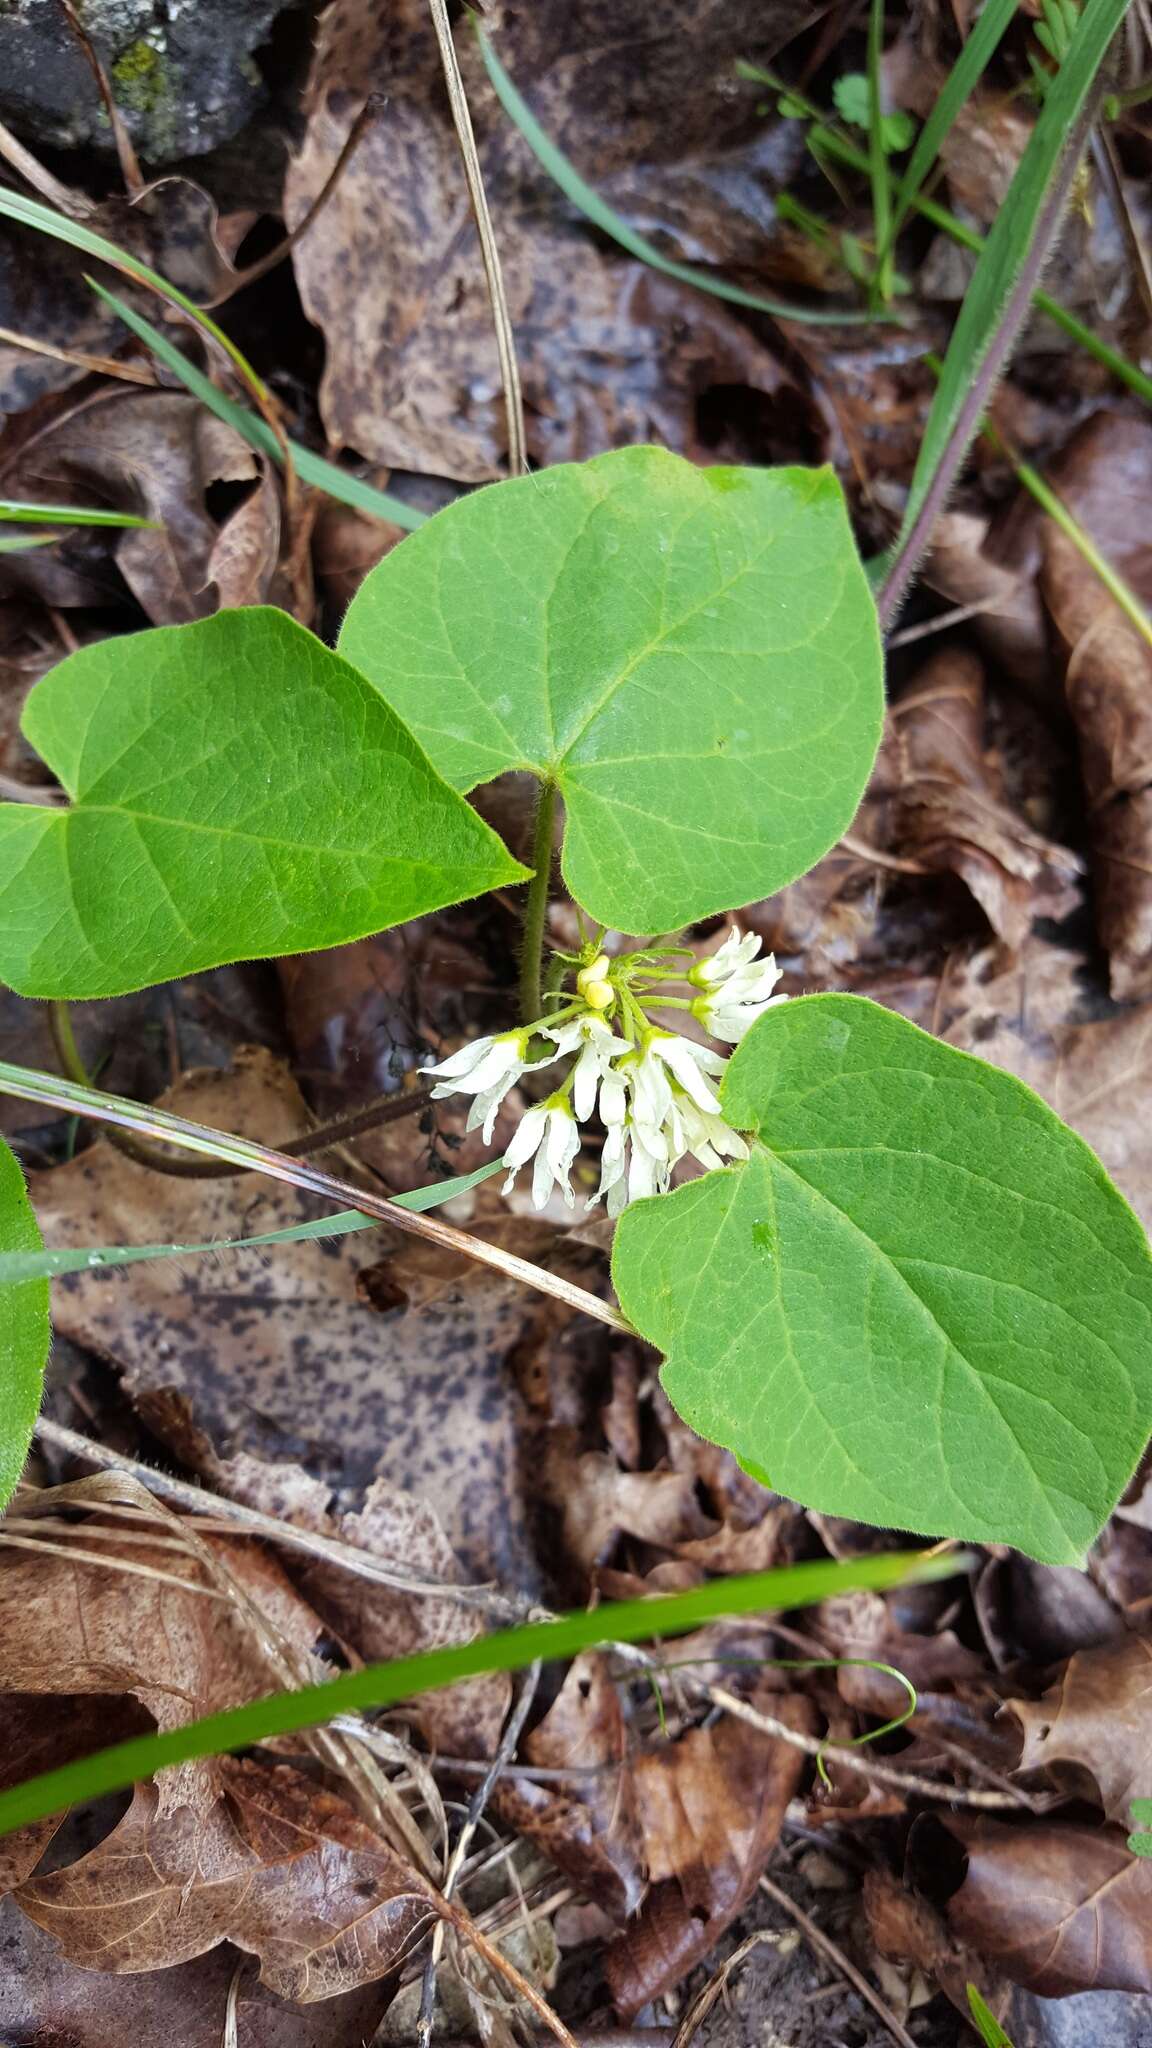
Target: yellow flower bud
593	984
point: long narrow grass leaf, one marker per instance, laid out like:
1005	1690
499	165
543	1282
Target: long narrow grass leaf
597	210
383	1685
997	300
16	1267
312	469
30	213
879	173
956	90
23	514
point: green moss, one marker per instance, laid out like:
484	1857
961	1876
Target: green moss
139	77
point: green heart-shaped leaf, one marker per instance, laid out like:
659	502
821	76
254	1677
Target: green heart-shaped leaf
921	1302
691	655
237	791
24	1329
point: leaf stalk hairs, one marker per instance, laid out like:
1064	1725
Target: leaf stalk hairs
656	1089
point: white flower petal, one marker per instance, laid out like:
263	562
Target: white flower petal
685	1061
525	1139
462	1062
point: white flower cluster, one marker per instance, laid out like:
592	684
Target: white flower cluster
655	1090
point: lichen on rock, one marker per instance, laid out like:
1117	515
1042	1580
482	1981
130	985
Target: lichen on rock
181	71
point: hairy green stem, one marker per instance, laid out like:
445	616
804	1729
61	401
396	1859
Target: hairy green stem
536	907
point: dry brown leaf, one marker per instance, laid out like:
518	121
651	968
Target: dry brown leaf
609	352
908	1927
378	1622
711	1806
589	1828
278	1352
151	453
598	1502
279	1867
1095	1725
1056	1908
37	1734
950	811
48	2002
72	1627
970	564
1104	476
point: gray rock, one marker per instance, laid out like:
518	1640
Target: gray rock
181	71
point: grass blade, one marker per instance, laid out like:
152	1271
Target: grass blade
150	1121
16	1267
66	515
605	217
825	141
985	2022
30	213
878	162
310	468
383	1685
997	300
958	87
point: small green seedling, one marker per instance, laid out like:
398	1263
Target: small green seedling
985	2022
900	1289
850	96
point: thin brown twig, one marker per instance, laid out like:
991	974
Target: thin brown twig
385	1109
837	1957
877	858
700	2007
506	1750
195	1137
501	319
284	247
856	1758
101	366
130	170
504	1967
76	205
270	1529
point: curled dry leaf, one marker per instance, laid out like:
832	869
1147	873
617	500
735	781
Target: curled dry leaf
710	1806
950	811
1094	1726
279	1867
591	1827
153	454
69	1627
1104	476
1056	1908
609	352
598	1502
